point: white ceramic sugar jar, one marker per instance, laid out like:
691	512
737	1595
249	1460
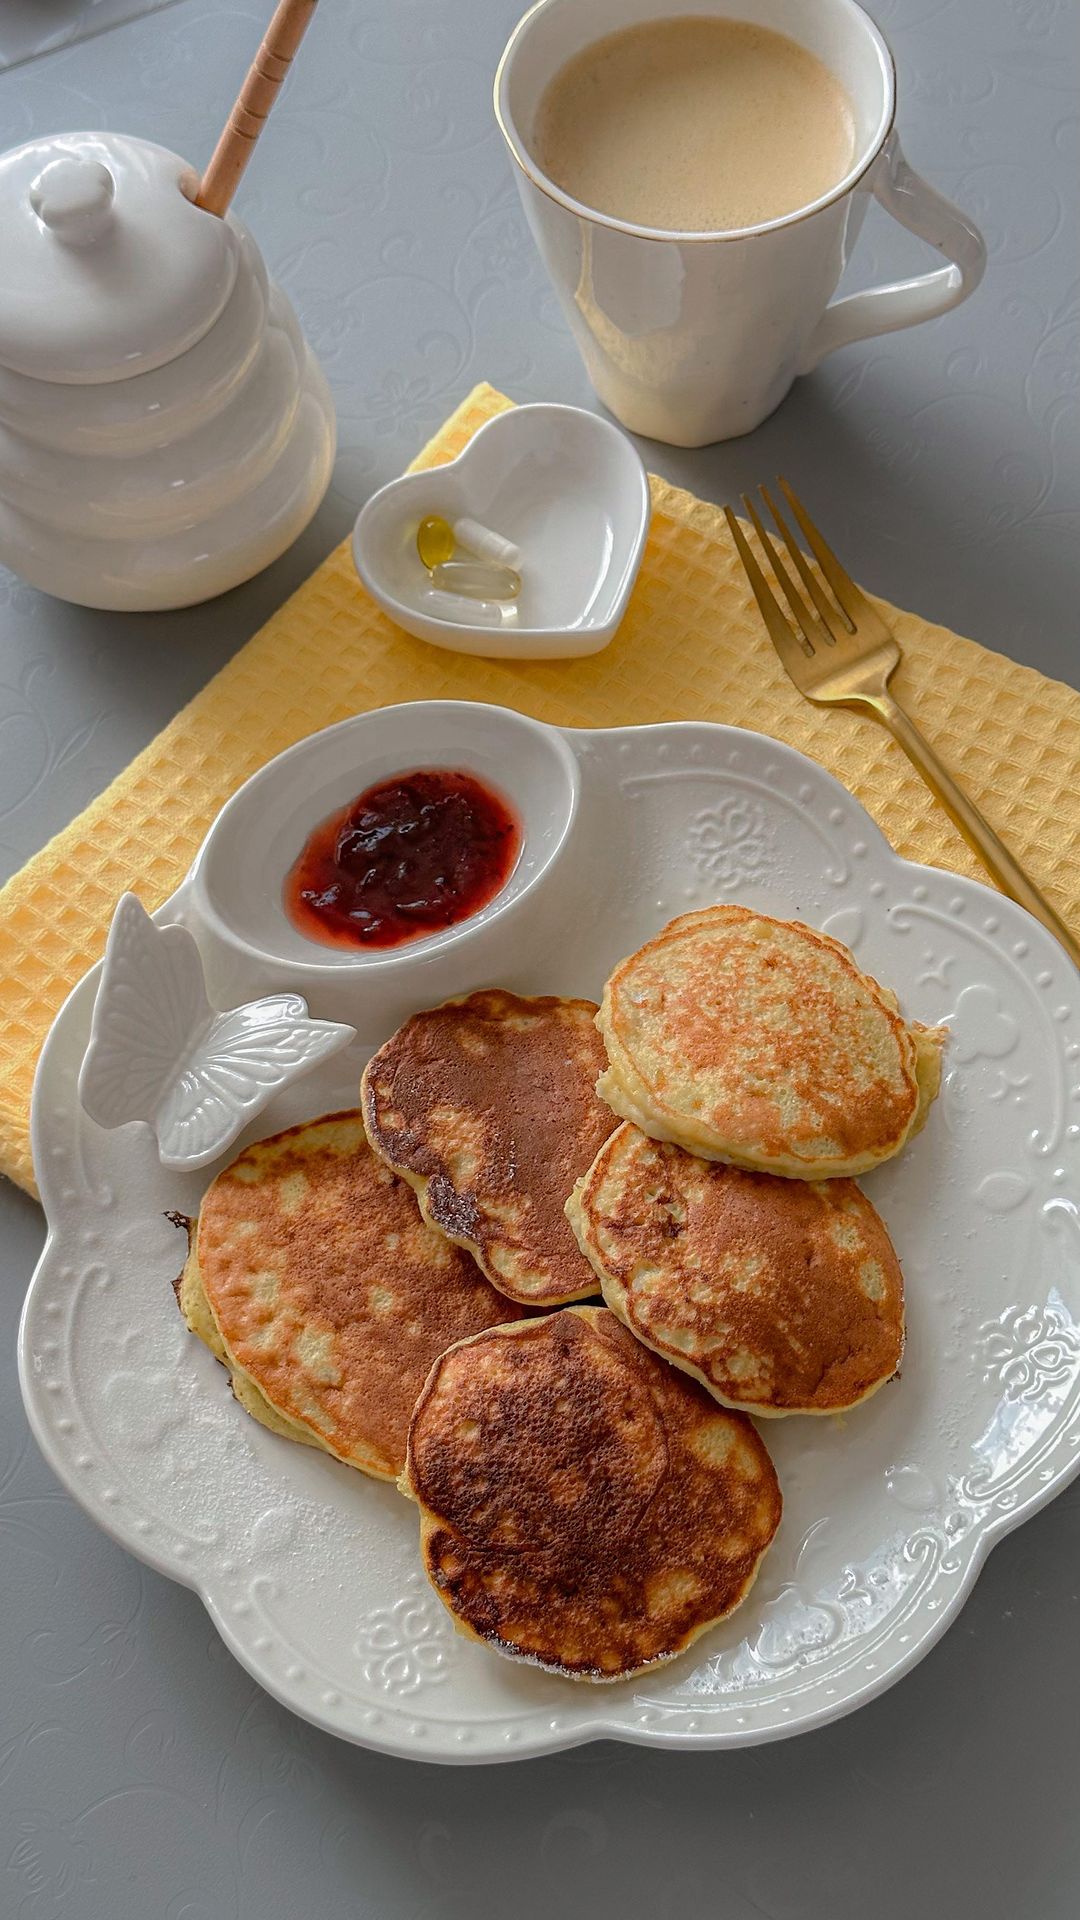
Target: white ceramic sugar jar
165	431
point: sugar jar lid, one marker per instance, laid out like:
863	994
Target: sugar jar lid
109	269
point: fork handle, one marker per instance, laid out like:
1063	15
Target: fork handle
1006	872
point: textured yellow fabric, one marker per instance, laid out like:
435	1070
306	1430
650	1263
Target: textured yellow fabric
691	647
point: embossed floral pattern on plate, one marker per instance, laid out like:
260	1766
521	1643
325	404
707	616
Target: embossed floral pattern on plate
728	842
403	1647
311	1571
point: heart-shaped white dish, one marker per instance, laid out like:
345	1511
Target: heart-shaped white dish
564	486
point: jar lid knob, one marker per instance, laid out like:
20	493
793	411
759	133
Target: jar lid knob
73	197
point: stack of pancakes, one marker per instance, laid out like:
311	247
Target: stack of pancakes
397	1286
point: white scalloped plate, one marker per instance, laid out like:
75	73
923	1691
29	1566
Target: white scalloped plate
310	1571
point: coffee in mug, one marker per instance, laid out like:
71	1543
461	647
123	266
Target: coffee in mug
696	184
696	124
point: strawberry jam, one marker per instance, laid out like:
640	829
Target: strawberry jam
409	857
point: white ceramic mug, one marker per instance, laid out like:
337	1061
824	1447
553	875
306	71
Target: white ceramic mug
694	337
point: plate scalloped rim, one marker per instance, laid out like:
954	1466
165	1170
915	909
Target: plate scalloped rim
827	1627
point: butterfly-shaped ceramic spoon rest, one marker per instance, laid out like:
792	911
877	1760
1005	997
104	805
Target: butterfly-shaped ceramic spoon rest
160	1053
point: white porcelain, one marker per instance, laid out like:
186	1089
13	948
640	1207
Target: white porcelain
165	431
237	881
311	1571
696	337
160	1055
562	485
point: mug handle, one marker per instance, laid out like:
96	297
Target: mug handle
919	207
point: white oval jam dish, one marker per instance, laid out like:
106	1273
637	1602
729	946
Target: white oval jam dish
165	431
239	880
563	486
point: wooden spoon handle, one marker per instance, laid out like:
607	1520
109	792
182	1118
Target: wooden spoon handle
253	104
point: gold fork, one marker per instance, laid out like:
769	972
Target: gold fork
843	655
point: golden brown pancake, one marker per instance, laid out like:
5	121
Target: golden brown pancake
584	1506
780	1296
760	1042
313	1278
487	1106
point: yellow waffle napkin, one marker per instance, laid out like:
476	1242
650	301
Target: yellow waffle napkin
691	647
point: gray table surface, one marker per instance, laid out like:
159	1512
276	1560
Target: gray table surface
143	1776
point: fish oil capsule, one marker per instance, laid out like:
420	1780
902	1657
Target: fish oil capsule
477	579
435	540
467	612
486	543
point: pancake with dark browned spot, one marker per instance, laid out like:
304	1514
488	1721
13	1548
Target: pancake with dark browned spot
584	1506
488	1107
314	1280
762	1043
780	1296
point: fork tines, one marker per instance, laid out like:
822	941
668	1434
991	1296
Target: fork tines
819	619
